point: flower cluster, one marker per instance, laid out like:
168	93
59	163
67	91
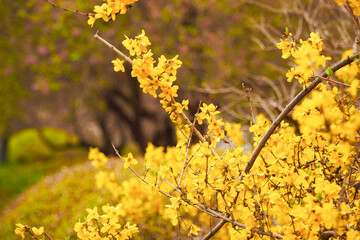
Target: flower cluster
354	4
21	229
109	10
297	181
156	80
209	113
307	57
105	178
105	226
348	75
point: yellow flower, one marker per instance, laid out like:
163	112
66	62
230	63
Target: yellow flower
92	214
97	158
113	212
111	227
286	47
194	230
354	88
91	20
118	65
352	234
130	160
38	231
340	2
129	230
20	230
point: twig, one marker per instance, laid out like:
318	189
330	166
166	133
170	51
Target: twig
27	229
69	10
113	48
247	95
356	19
47	236
334	81
288	108
176	188
214	230
142	179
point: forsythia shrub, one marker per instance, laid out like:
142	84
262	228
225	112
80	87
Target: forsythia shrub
300	186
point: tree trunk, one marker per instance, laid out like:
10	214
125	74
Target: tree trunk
3	148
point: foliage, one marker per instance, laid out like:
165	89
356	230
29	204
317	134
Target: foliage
302	185
38	144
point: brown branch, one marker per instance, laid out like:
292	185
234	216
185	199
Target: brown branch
46	235
288	108
69	10
113	48
356	19
214	230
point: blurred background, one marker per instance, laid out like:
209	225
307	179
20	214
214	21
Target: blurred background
59	93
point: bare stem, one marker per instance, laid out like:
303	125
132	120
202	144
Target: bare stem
69	10
356	19
113	48
47	236
141	178
334	81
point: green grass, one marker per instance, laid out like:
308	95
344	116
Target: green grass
16	177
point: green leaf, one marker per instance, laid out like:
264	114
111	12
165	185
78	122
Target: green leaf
286	31
346	80
319	196
329	71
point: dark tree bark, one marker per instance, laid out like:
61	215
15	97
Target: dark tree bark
3	148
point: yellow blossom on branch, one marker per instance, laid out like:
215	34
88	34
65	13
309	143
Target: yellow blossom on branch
20	230
129	160
109	10
118	65
38	231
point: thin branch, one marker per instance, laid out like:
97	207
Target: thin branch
47	236
27	229
356	19
288	108
142	179
187	151
334	81
214	230
69	10
113	48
